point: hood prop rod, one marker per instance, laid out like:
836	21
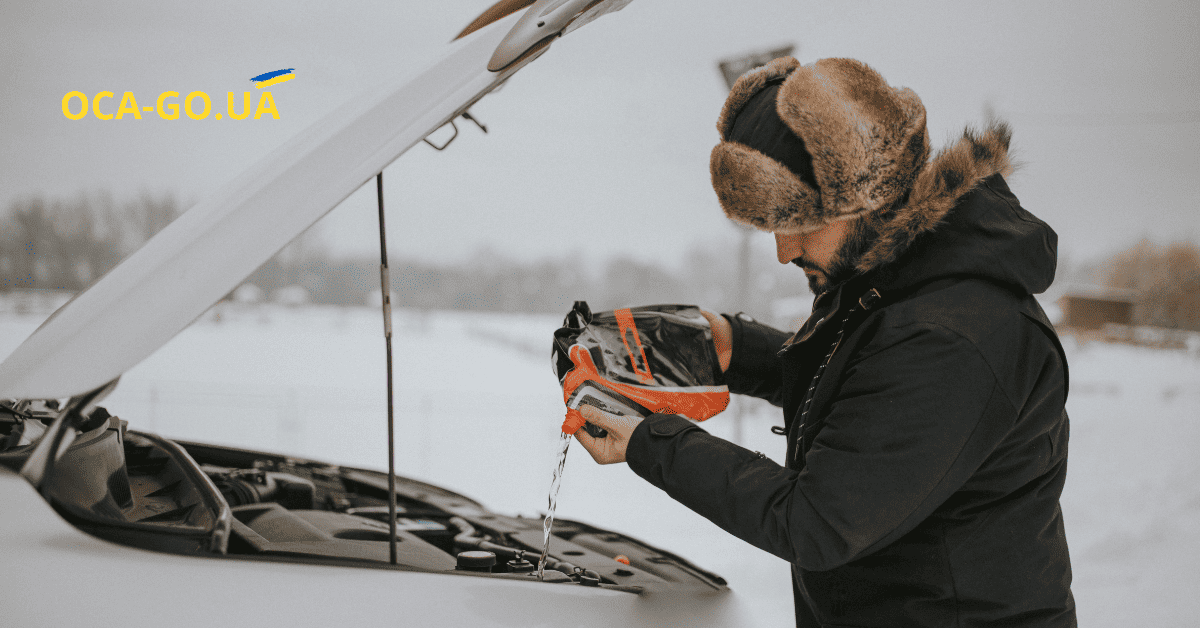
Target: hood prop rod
386	293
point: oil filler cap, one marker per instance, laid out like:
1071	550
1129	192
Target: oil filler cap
477	560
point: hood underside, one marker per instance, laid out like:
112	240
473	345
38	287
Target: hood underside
159	290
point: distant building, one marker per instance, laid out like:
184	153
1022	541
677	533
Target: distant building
1093	311
1089	313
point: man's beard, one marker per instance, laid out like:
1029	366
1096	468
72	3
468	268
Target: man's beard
822	280
860	236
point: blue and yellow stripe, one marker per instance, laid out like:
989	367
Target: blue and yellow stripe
268	79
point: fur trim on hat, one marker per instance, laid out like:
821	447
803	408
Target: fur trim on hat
761	192
950	175
867	141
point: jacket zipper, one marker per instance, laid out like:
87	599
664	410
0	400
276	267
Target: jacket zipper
866	302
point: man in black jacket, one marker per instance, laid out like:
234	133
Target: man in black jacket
923	399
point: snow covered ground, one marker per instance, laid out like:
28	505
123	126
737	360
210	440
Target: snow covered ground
478	411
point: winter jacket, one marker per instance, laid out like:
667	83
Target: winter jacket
926	434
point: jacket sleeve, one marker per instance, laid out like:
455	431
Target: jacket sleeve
755	368
911	422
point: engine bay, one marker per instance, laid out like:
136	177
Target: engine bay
140	489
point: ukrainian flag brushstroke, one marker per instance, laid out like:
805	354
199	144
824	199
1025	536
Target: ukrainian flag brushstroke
272	78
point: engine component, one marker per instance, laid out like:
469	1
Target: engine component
476	560
256	486
520	565
271	530
427	529
466	538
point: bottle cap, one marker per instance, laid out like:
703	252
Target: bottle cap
573	421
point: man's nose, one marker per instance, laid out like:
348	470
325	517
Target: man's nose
788	247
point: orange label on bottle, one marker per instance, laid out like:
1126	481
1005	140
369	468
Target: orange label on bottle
628	328
695	402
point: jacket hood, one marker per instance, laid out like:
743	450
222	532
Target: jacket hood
961	220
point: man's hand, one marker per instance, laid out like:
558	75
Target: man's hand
611	448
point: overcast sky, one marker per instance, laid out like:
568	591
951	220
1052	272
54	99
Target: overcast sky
601	146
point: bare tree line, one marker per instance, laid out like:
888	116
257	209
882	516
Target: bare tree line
491	283
66	244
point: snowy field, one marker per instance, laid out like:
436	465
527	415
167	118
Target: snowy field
478	411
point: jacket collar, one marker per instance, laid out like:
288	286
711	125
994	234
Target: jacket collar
952	174
832	305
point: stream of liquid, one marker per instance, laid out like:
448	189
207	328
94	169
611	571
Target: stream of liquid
564	444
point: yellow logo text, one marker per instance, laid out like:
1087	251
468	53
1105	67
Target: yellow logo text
196	105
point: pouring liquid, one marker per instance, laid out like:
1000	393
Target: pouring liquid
564	444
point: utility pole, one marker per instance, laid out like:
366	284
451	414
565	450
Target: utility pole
731	70
743	298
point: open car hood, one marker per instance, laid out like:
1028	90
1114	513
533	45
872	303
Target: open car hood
204	254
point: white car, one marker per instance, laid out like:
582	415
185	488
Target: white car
106	525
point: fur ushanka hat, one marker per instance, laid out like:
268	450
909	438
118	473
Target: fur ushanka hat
804	146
